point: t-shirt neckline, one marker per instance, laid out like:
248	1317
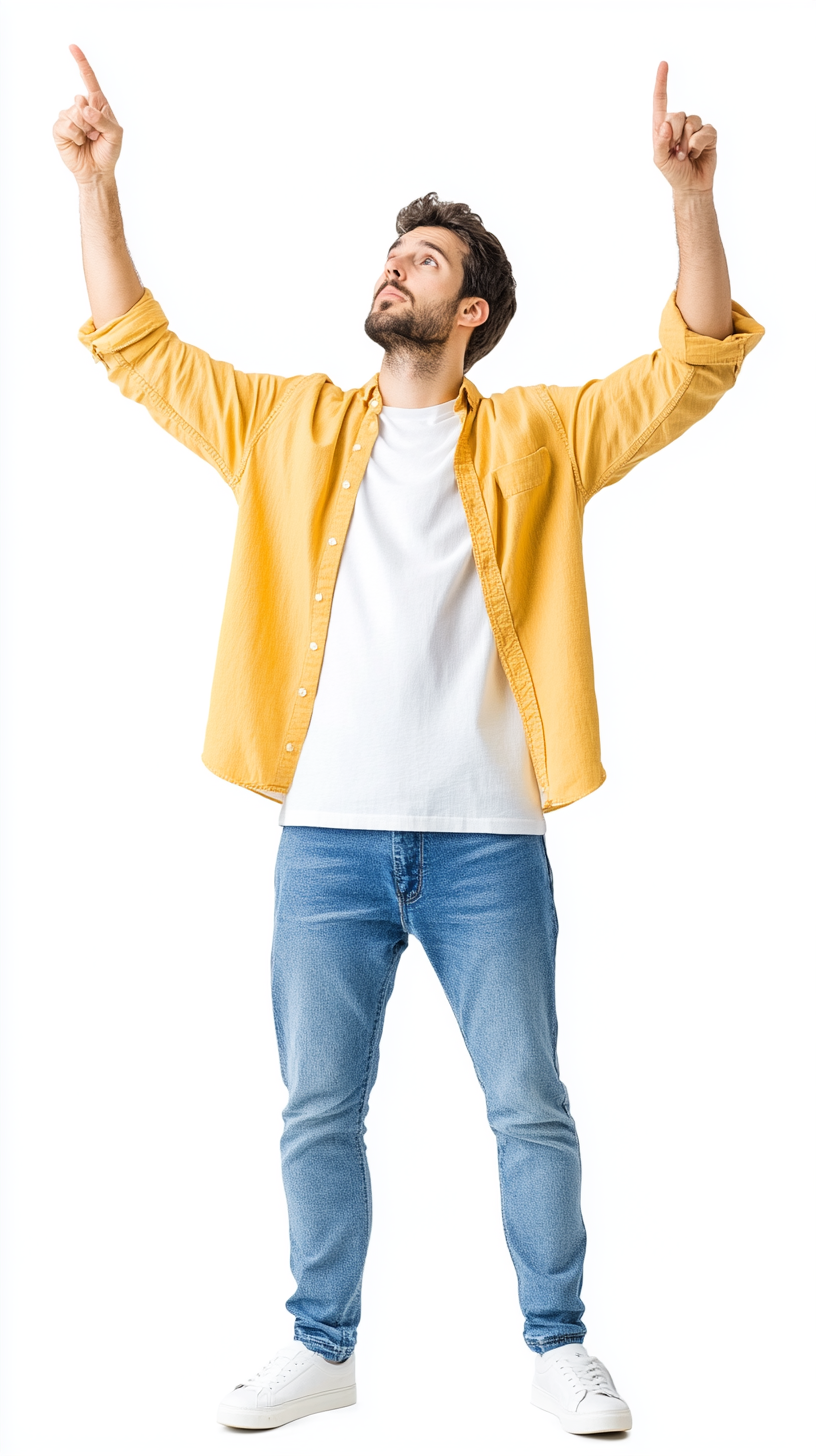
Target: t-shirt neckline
425	412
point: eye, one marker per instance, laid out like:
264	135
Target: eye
429	259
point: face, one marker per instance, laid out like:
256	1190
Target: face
416	298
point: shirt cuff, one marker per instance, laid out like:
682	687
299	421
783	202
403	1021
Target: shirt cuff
678	339
143	318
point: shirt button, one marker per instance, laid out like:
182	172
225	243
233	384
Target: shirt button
318	596
301	692
313	646
332	540
289	747
356	447
346	484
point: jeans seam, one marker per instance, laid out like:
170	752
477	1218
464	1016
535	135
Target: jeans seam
395	871
412	898
500	1150
275	1022
542	839
377	1027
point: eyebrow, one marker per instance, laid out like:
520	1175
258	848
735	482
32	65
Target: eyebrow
422	243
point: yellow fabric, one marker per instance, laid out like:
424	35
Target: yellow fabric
526	463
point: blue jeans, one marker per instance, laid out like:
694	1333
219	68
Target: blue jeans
482	907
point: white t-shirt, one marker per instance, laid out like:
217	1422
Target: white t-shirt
414	724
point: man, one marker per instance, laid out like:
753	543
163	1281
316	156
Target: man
417	710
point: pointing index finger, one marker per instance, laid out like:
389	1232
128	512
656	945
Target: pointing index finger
660	101
85	70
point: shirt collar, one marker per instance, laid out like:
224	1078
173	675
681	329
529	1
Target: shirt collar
467	398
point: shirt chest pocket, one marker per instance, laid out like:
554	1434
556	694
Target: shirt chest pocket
523	474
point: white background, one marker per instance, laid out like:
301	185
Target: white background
267	150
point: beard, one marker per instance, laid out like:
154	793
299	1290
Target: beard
414	337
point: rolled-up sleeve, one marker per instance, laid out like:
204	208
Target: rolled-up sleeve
613	423
215	410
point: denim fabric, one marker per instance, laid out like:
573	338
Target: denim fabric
482	907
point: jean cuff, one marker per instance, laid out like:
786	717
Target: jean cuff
329	1352
543	1347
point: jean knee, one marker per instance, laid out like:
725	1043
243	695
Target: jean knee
540	1119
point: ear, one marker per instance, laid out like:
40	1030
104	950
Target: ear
473	312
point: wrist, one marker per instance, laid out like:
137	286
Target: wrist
105	182
696	200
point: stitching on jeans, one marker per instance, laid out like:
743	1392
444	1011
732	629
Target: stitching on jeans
413	898
396	879
401	901
320	1345
500	1151
542	839
386	985
276	882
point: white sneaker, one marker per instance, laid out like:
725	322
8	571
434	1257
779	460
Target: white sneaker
578	1389
296	1382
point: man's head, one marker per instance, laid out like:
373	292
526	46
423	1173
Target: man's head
446	280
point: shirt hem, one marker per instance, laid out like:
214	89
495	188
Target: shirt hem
442	823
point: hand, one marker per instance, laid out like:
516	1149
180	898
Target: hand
88	136
684	149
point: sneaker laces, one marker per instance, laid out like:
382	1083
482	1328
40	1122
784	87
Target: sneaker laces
272	1369
588	1377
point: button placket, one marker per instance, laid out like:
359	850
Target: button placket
327	575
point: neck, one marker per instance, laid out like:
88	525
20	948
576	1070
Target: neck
404	386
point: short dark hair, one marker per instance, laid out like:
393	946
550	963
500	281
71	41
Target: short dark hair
487	271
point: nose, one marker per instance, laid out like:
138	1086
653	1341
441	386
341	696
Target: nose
393	271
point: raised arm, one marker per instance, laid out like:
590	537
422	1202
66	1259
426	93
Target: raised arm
212	408
685	151
611	424
89	140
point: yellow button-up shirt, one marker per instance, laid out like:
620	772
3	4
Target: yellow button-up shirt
294	451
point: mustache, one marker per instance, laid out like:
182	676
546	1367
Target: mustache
397	289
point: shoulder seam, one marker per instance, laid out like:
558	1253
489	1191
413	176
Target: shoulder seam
650	429
549	404
265	425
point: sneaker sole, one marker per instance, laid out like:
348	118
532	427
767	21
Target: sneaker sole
578	1425
290	1410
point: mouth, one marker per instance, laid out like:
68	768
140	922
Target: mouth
389	292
